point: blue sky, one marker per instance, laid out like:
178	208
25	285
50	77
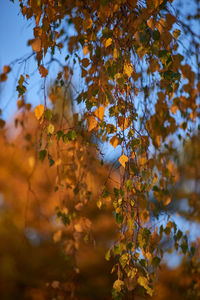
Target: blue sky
14	35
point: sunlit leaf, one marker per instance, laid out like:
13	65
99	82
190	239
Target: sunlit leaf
39	110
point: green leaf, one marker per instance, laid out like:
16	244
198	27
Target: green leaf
48	114
59	134
42	154
156	261
51	161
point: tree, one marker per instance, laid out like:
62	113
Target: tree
140	91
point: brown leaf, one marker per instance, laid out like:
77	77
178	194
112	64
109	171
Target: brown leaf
43	71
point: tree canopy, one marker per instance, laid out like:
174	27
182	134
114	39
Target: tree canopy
138	94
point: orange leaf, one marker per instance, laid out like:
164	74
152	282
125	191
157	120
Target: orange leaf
39	110
6	69
36	45
43	71
114	141
85	50
99	112
92	123
108	42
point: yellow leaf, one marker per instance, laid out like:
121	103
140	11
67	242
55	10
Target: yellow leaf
123	159
117	285
39	110
128	69
91	123
114	141
50	128
36	45
99	112
144	282
99	204
108	42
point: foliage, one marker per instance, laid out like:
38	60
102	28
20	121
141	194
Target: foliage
139	92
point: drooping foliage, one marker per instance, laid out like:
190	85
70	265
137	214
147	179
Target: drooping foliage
138	63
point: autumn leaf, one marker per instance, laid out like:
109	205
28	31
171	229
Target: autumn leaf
3	77
123	159
128	69
99	112
6	69
114	141
50	128
36	45
43	71
108	42
144	282
39	110
117	285
123	122
85	50
92	123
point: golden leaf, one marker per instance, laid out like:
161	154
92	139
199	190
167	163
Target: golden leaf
43	71
91	123
50	128
36	45
123	159
117	285
99	112
108	42
144	282
114	141
39	110
128	69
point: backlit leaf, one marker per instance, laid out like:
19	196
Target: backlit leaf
99	112
123	159
92	123
39	110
